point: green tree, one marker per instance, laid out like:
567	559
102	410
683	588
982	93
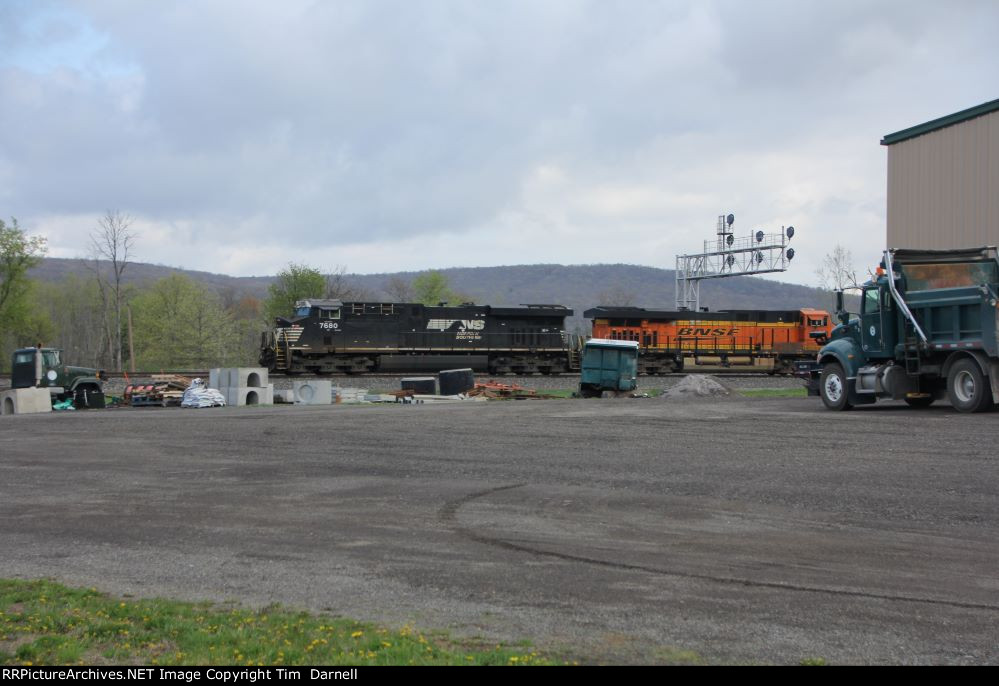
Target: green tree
296	282
179	325
20	324
18	254
432	287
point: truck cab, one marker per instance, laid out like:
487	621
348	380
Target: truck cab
45	368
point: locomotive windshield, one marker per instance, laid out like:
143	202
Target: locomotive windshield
302	311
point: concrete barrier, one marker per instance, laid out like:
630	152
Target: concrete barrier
25	401
313	392
250	377
242	395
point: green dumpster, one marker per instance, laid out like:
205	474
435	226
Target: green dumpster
608	366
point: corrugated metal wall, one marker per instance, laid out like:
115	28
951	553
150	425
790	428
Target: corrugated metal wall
943	187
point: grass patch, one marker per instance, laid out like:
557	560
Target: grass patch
774	393
42	622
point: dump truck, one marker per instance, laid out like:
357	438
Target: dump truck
44	368
928	328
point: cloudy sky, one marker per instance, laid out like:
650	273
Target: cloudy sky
389	135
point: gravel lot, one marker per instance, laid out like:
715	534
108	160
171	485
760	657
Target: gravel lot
631	530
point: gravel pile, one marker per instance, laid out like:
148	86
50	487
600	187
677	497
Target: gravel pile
696	386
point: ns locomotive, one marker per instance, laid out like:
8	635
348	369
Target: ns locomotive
327	336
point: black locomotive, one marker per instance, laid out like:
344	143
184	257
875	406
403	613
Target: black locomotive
327	336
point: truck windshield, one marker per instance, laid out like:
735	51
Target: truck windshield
924	277
51	358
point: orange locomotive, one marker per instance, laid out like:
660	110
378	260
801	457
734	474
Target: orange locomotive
727	338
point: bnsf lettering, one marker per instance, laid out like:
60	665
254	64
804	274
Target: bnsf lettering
695	331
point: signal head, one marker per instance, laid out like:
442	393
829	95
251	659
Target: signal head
790	253
730	219
759	236
789	232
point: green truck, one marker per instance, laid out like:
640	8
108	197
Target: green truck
43	367
928	329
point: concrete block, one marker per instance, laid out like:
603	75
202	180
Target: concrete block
242	395
313	392
25	401
215	379
248	377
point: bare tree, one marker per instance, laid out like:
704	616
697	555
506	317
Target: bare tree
340	287
837	270
111	249
399	290
617	295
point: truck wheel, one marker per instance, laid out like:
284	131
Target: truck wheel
833	387
967	388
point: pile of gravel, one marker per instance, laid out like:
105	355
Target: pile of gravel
696	386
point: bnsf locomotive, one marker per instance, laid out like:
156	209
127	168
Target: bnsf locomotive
728	338
327	336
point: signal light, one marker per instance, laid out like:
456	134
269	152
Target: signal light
790	253
759	236
789	232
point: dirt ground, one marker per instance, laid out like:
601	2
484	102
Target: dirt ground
634	530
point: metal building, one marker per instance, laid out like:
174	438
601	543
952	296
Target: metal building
943	181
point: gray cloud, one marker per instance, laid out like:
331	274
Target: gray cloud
336	124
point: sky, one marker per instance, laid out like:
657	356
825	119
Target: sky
390	135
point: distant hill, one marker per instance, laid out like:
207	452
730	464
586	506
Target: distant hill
576	286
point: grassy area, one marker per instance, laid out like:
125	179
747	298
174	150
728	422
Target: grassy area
774	393
42	622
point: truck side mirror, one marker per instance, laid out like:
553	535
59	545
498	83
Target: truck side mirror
841	313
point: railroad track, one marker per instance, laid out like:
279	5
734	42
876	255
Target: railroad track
203	374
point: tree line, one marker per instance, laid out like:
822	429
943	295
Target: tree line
101	319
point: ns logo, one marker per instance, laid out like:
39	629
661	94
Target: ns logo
465	324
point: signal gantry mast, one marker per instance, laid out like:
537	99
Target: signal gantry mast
726	255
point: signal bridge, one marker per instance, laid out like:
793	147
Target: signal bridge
726	255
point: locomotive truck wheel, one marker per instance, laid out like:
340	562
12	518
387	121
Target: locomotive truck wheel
967	388
833	387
